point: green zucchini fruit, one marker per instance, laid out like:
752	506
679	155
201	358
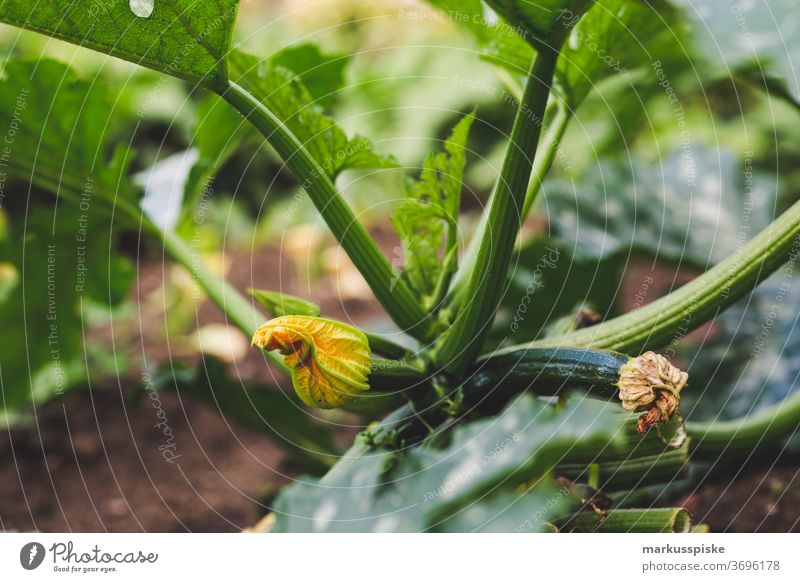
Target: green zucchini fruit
644	383
547	372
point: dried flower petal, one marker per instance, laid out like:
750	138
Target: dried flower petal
650	383
330	360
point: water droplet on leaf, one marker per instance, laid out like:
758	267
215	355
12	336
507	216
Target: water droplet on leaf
142	8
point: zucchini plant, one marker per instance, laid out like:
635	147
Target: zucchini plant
467	431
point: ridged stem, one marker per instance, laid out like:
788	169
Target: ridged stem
634	471
670	318
667	520
542	163
487	280
740	438
392	292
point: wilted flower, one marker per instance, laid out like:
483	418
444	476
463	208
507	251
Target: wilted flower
650	383
330	361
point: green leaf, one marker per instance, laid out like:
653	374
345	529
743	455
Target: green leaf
183	38
423	489
752	360
321	74
284	94
686	209
501	44
543	23
427	220
60	130
62	138
266	409
615	38
757	36
280	304
62	255
9	279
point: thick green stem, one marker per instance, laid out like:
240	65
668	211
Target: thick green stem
542	163
487	281
392	292
667	520
670	318
385	347
549	149
633	471
740	438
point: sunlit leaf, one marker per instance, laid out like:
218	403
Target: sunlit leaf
615	38
183	38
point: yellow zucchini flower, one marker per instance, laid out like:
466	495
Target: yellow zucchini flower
330	361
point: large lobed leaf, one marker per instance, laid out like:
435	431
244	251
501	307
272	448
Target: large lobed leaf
64	126
183	38
474	482
58	253
759	36
687	209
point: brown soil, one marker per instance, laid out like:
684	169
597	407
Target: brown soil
760	499
95	465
